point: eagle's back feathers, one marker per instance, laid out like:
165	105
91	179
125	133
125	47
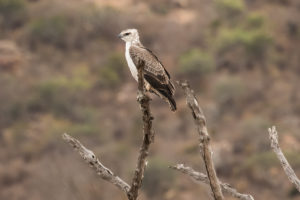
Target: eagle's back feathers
154	73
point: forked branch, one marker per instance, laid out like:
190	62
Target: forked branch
144	101
107	174
204	140
202	178
94	162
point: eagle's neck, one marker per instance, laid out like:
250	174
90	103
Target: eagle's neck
135	41
130	62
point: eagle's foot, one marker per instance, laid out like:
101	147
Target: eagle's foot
141	97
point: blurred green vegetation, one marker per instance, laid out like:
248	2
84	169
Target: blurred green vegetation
253	137
85	128
254	42
255	21
101	22
13	13
240	34
160	7
157	177
266	160
12	106
73	28
26	138
192	149
59	94
230	8
255	126
196	63
113	71
259	163
229	91
51	30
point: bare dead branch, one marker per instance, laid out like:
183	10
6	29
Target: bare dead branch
94	162
202	178
204	139
107	174
144	101
284	163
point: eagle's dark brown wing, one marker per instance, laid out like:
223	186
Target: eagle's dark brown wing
154	72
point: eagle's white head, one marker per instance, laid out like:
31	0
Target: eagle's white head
129	35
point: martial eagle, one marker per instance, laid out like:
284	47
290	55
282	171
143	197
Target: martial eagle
157	79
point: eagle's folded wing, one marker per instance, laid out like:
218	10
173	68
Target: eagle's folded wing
154	71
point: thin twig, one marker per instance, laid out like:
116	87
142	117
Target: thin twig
144	101
204	140
284	163
200	177
94	162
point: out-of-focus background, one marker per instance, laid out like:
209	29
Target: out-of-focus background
62	69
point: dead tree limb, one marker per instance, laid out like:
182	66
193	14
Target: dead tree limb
107	174
202	178
144	101
204	140
94	162
284	163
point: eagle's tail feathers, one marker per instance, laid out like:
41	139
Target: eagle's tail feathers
167	95
172	103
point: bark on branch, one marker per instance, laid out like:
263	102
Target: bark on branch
144	101
204	139
284	163
202	178
107	174
94	162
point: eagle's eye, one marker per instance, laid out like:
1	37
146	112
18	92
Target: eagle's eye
127	34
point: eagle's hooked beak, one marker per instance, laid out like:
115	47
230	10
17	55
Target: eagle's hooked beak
120	35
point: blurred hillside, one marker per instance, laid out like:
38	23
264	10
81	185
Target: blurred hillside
62	69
